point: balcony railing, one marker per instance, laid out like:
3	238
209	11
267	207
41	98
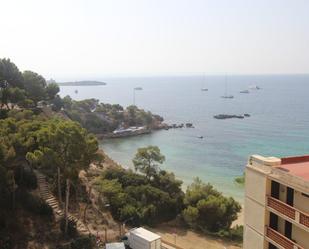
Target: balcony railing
304	219
281	240
288	211
281	207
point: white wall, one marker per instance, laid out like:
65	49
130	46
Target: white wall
300	236
256	185
252	239
255	215
301	202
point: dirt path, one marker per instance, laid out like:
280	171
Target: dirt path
192	240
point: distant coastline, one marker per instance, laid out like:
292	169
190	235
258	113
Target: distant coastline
82	83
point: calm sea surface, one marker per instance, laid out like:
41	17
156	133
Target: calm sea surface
278	126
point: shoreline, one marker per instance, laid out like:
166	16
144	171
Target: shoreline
123	155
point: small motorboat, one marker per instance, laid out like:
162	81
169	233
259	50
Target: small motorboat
244	91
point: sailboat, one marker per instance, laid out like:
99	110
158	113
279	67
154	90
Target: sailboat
225	96
204	89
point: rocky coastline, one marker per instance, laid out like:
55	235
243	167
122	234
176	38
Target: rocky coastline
144	130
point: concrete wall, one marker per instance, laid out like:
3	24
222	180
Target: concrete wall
255	212
301	202
255	215
256	186
300	236
253	240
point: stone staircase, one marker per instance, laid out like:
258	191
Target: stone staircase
53	202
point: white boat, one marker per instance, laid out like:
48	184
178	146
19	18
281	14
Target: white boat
255	87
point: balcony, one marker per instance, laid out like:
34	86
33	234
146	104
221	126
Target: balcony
288	211
277	238
281	207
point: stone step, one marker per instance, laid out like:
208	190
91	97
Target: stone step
51	199
53	203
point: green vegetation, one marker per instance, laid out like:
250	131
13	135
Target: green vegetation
207	209
240	180
151	196
103	118
23	89
58	147
30	139
58	144
67	148
133	196
146	160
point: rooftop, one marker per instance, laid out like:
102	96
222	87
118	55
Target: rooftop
145	234
297	166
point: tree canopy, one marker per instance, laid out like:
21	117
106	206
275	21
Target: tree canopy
23	89
147	160
207	209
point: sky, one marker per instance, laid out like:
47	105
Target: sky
89	39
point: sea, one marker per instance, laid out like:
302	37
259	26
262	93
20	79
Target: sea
278	124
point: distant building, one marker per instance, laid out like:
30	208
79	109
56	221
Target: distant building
277	203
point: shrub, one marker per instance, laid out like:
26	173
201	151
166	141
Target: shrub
240	180
6	242
236	233
208	210
26	178
83	242
72	231
34	204
45	209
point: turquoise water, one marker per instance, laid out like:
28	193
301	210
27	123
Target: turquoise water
278	126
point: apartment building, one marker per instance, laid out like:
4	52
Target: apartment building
277	203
